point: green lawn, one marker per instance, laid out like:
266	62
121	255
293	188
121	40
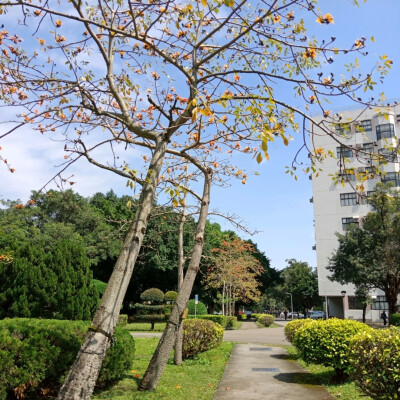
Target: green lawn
325	376
196	379
144	327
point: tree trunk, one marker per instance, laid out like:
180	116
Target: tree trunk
223	300
84	372
181	263
160	357
364	312
391	294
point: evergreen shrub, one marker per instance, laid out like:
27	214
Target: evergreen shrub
394	320
374	358
200	335
230	322
327	342
219	319
152	295
171	296
292	327
266	319
200	310
36	354
242	317
122	320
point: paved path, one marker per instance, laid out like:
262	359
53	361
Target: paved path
257	369
251	333
257	372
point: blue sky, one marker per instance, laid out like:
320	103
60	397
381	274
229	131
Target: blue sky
273	202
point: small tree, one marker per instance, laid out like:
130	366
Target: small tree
151	310
301	281
235	273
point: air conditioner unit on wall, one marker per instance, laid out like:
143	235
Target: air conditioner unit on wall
359	146
360	170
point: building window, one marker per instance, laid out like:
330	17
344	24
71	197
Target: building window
366	196
348	175
388	155
346	222
391	177
380	303
369	147
385	131
343	129
344	152
363	126
355	303
348	199
398	119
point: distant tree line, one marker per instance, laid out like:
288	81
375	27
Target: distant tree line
62	244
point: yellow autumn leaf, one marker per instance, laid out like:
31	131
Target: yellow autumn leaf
259	158
204	3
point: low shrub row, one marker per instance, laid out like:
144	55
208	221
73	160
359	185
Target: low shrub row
225	321
242	317
369	357
36	354
264	319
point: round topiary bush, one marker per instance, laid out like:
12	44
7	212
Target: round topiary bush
266	319
200	335
152	295
292	327
201	308
374	359
171	296
327	342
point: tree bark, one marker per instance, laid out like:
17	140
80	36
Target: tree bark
82	377
181	263
223	300
160	357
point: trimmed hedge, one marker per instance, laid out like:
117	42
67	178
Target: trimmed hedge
219	319
374	359
36	354
327	341
242	317
230	322
292	327
200	335
394	320
265	319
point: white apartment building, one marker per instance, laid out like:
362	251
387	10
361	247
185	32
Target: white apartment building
336	206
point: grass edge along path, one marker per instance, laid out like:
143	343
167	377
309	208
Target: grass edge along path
325	376
197	378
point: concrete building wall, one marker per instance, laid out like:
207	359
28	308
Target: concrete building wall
329	211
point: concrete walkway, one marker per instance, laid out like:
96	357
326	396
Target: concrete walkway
256	372
257	369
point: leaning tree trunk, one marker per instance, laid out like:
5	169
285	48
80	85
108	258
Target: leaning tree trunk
160	357
181	263
84	372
